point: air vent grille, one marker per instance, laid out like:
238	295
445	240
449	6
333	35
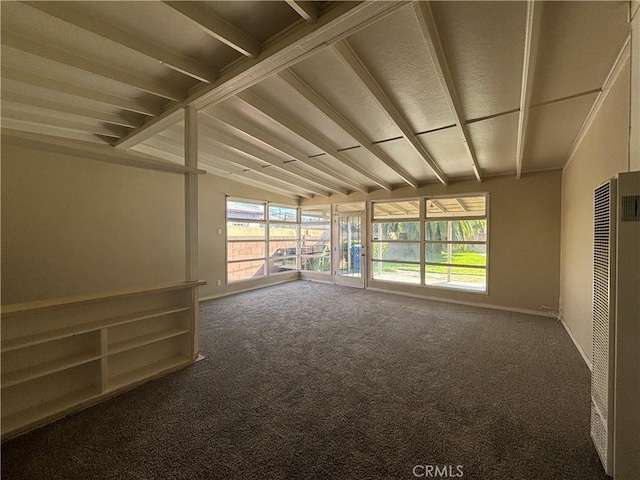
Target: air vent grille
599	433
630	208
602	325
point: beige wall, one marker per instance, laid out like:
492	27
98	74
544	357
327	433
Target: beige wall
603	153
72	226
524	239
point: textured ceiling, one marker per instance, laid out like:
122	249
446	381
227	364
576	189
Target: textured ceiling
315	98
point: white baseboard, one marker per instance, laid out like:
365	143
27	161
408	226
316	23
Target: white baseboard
471	304
575	342
248	289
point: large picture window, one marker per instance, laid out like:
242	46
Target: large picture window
262	239
396	241
456	242
283	239
246	240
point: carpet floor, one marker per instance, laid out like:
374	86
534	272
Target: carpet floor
313	381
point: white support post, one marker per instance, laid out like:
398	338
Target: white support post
191	192
191	216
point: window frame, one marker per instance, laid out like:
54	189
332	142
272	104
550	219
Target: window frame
267	222
396	219
426	219
302	257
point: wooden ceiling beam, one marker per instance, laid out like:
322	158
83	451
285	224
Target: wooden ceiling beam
430	33
255	152
462	205
22	76
187	66
77	126
218	27
532	34
238	175
314	99
42	103
298	44
284	148
102	153
349	57
271	175
212	144
293	126
439	206
307	10
48	52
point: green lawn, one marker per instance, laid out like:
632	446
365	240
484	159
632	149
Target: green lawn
460	258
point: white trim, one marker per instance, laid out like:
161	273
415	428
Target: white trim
227	294
575	342
612	77
317	280
458	302
532	35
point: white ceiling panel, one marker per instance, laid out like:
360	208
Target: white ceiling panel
225	129
12	124
395	53
108	71
259	19
448	151
495	141
163	26
342	169
36	94
370	163
248	113
400	150
484	46
553	129
294	106
18	17
578	45
47	68
335	83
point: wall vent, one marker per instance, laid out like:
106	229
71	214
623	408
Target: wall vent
603	328
630	208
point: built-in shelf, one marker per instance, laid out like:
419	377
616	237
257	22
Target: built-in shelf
147	371
60	355
35	371
48	409
146	339
42	337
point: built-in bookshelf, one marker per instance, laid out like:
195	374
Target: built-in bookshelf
59	356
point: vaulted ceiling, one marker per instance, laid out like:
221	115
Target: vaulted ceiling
314	98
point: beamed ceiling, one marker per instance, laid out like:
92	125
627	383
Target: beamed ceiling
314	98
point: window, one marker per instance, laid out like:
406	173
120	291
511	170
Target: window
259	235
456	242
246	240
283	239
396	241
315	239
